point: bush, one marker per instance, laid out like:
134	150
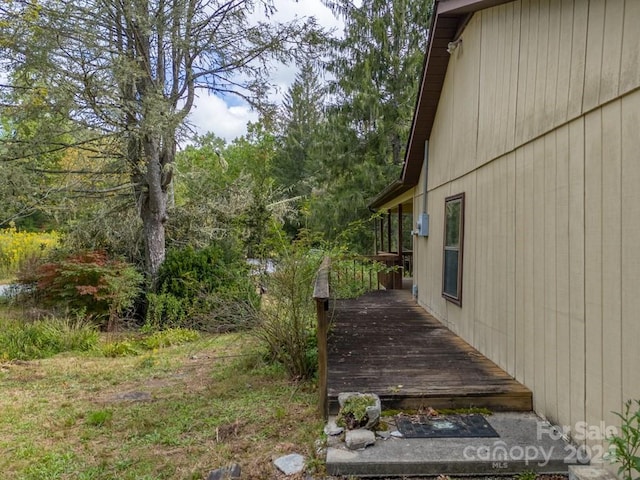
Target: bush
45	338
287	323
88	282
18	248
207	289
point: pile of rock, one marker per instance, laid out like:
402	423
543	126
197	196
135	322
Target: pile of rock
358	418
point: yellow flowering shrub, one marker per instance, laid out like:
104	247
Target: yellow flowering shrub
16	248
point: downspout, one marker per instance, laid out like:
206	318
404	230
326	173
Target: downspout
426	176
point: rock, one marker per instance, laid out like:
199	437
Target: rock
396	434
360	438
226	473
290	464
383	434
373	411
331	429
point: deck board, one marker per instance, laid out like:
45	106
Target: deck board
384	343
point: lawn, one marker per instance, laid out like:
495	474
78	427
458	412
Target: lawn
170	413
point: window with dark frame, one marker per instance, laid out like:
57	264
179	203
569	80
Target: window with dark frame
453	242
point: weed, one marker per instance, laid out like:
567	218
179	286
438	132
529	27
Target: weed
169	337
99	418
124	348
353	413
625	447
45	338
526	475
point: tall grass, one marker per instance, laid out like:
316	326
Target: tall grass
16	248
44	338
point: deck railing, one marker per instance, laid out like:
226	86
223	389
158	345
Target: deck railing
321	297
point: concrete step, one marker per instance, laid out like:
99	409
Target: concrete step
526	443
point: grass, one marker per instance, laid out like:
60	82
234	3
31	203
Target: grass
206	403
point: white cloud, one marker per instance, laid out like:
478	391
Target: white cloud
213	114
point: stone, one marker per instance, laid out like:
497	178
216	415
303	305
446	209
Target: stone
359	438
383	434
373	411
290	464
225	473
331	429
396	434
589	472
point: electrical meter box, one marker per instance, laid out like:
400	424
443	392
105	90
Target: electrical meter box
422	226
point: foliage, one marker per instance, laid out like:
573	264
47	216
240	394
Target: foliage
300	154
352	276
90	282
126	76
376	67
526	475
21	340
18	248
208	289
287	322
353	413
625	446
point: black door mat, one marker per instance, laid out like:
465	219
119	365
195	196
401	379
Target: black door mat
445	426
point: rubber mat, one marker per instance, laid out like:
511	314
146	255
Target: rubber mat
446	426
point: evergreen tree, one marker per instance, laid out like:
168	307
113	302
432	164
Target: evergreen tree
376	67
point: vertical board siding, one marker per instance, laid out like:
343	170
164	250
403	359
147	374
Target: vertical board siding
562	274
538	125
630	255
577	271
611	260
593	64
550	277
630	63
593	263
611	50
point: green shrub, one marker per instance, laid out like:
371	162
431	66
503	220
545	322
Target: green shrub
207	289
287	323
89	282
45	338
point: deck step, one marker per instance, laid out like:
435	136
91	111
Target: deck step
497	402
525	444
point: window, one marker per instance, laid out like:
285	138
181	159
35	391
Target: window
453	241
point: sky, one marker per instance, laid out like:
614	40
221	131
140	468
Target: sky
227	118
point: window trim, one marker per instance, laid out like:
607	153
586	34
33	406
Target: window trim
454	299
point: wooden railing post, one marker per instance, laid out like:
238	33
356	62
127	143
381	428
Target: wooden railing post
321	297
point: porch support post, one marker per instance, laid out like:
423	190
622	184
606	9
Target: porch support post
400	231
381	234
389	229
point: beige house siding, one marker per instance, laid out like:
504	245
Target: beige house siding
539	124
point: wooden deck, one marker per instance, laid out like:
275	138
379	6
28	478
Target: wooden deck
384	343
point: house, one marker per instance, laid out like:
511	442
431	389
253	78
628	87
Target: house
522	174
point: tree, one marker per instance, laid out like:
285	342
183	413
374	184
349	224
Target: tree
130	70
376	68
299	156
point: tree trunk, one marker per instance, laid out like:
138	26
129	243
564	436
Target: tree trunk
153	210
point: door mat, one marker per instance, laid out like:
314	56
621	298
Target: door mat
446	426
